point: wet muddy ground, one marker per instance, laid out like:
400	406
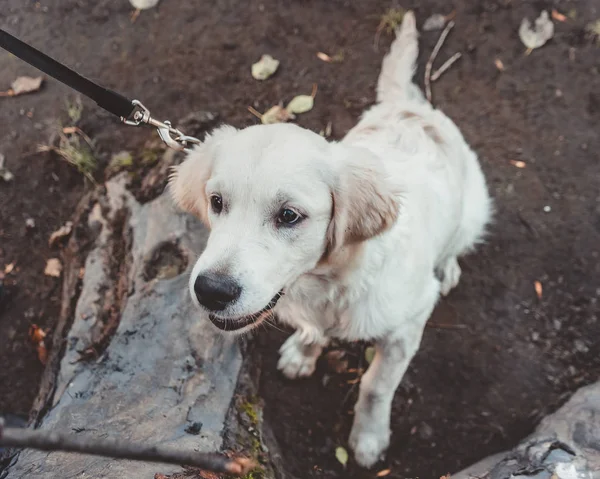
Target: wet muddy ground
495	358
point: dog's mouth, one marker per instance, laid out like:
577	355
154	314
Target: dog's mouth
234	324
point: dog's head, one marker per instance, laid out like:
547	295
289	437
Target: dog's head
279	200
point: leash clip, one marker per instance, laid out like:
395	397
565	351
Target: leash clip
172	137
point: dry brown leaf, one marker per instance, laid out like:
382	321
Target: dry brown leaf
9	268
208	475
336	361
384	472
53	268
42	352
36	334
337	58
559	17
518	163
275	114
60	233
25	84
538	289
499	64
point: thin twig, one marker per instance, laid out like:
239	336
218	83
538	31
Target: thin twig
54	441
434	53
447	64
446	326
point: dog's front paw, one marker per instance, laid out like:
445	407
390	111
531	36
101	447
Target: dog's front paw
369	447
298	360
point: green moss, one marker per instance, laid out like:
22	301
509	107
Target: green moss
250	407
150	156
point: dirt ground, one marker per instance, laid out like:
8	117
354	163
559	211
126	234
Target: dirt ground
495	358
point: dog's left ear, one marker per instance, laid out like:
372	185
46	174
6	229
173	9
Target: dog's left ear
365	202
187	181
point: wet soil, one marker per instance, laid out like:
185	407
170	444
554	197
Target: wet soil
495	357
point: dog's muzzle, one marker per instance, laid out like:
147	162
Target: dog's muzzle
235	324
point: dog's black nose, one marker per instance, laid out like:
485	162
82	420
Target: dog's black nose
216	291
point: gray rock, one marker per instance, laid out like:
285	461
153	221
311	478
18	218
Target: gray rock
566	445
162	371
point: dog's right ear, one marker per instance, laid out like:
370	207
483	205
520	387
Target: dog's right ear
187	181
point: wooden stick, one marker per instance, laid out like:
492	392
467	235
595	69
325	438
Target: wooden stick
54	441
447	64
436	50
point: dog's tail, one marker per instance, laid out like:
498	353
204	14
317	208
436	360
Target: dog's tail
399	65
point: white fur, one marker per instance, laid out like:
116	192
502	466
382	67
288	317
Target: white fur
390	209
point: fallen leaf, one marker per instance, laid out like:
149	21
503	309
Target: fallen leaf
559	17
4	173
535	37
208	475
37	335
42	352
336	361
300	104
53	268
324	57
447	476
9	268
143	4
265	67
341	455
369	354
434	22
518	163
499	64
60	233
337	58
384	472
24	85
593	28
275	114
538	289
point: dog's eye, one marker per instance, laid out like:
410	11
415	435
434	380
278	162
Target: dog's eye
216	203
288	217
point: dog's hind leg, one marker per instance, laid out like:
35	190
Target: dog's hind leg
449	274
395	80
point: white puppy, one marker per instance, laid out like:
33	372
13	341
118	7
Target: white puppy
353	240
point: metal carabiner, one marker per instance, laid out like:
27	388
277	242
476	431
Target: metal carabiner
172	137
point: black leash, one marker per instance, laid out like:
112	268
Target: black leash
131	112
